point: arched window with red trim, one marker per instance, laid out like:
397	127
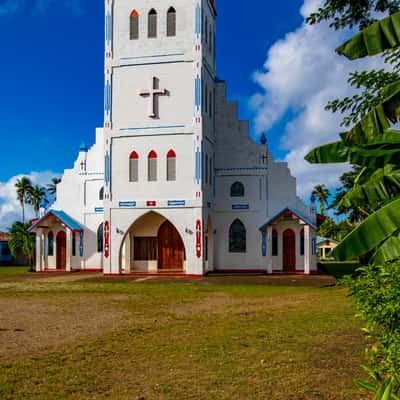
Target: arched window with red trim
133	167
152	24
274	242
171	166
302	242
134	25
152	166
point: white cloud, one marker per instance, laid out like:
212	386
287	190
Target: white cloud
301	74
10	209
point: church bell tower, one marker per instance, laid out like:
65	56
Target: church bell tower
159	106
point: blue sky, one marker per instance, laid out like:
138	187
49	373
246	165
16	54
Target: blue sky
281	71
52	73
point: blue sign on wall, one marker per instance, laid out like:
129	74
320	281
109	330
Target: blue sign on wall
174	203
99	210
240	206
81	244
127	203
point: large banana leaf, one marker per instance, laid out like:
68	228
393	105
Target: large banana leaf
371	233
336	152
376	38
389	251
378	119
373	189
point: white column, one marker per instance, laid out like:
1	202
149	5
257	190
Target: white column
45	251
69	250
307	249
269	249
128	253
39	250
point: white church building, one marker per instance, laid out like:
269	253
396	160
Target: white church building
173	183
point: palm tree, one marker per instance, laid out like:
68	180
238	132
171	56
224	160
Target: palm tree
52	187
22	240
24	187
36	195
321	192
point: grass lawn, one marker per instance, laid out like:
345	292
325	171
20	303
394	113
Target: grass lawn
201	339
7	271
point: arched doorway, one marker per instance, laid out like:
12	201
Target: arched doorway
61	244
289	251
171	250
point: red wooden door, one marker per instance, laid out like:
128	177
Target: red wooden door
289	251
61	250
171	250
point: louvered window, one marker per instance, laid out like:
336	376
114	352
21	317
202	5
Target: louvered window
302	242
274	243
210	104
237	237
152	24
206	168
101	194
171	166
206	99
171	22
237	189
134	25
50	244
152	166
211	171
100	245
133	167
73	244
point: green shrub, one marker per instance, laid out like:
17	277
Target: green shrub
339	269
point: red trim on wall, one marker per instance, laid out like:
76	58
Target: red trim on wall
151	203
171	154
152	154
134	155
144	274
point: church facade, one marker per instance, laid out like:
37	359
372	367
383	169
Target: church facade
173	183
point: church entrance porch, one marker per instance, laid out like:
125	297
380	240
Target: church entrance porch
289	251
153	245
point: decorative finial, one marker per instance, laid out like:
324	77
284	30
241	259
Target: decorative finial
263	139
313	198
83	147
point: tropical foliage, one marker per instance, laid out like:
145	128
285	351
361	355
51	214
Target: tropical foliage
321	193
23	187
22	240
375	149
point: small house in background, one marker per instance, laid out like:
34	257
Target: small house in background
5	254
324	246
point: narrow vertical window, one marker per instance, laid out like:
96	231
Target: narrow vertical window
302	242
134	25
206	30
206	99
171	22
210	105
133	167
152	24
101	194
237	237
274	242
50	244
211	171
152	166
171	166
206	167
73	244
100	239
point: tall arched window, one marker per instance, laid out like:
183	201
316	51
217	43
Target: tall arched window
100	245
171	166
171	22
101	194
50	244
274	242
152	167
152	24
134	25
73	245
133	167
237	237
237	189
302	242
